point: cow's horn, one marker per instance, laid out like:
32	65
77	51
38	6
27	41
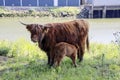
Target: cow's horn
23	23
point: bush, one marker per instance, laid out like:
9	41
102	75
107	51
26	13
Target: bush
20	47
4	48
2	10
55	12
71	11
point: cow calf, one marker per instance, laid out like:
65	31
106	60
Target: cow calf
63	49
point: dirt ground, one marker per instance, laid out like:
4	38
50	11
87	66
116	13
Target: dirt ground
3	59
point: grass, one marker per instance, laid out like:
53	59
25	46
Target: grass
27	62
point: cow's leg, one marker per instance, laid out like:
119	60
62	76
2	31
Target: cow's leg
52	55
82	51
52	60
81	55
48	55
78	54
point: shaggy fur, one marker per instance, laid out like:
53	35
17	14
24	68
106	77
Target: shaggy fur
63	49
48	35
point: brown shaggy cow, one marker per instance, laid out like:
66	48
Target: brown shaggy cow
63	49
72	32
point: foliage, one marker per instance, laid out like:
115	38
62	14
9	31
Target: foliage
2	9
4	49
20	47
71	11
55	12
30	63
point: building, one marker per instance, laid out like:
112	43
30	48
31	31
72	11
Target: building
100	9
106	9
43	3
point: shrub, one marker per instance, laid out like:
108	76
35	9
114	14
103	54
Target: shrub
2	10
71	11
20	47
4	48
43	12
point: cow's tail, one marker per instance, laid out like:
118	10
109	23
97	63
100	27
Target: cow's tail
87	43
87	40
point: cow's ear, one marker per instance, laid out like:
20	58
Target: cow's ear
45	30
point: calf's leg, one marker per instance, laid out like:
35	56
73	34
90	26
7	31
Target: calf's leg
73	57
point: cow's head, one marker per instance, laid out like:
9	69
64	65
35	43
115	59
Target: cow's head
37	31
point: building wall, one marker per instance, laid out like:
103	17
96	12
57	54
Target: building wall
61	2
41	2
68	2
46	2
1	2
75	3
12	2
89	1
29	2
106	2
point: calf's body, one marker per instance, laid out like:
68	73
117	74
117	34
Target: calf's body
63	49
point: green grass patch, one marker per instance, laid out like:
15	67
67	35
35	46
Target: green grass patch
28	62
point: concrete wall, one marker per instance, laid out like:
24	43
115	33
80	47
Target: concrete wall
106	2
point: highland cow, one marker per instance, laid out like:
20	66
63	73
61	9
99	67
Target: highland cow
48	35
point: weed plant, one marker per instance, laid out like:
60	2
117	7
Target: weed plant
28	62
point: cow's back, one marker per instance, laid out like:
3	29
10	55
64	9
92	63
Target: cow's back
70	32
